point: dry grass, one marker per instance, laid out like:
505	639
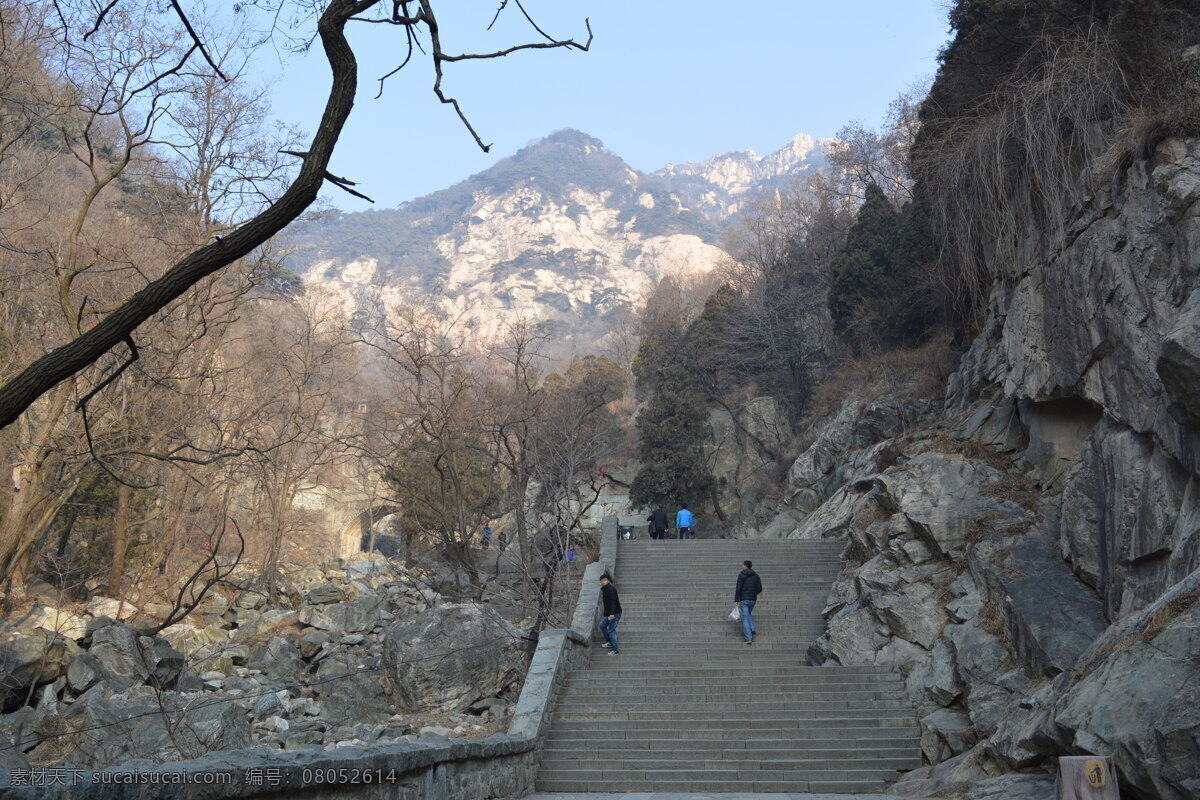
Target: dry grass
1145	632
911	373
990	621
1040	146
1157	622
869	515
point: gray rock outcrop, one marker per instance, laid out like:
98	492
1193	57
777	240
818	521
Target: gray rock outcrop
446	658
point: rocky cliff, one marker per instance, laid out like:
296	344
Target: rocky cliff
563	232
1027	549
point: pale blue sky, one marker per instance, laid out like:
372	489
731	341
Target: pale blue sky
666	81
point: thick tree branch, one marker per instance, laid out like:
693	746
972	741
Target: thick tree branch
21	391
187	23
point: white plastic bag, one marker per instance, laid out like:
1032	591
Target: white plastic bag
735	615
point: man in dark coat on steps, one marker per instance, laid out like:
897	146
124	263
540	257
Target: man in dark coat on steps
749	587
658	523
611	613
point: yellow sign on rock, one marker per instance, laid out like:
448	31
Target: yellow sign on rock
1086	778
1095	773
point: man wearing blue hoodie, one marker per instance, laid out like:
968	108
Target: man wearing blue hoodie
683	521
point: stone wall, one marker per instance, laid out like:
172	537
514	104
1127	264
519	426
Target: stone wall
434	768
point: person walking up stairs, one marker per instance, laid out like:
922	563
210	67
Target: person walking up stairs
745	594
687	707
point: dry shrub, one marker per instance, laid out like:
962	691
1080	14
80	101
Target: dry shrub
1145	631
1038	145
911	373
1157	622
990	621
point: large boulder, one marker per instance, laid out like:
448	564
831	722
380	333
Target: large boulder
115	649
30	657
1138	697
942	496
204	648
1179	363
446	658
324	593
945	734
108	607
116	728
1050	618
913	612
1129	514
62	622
358	617
1013	786
278	659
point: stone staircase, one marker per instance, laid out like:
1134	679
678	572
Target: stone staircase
687	707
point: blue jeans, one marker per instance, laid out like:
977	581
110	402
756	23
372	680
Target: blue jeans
746	606
609	628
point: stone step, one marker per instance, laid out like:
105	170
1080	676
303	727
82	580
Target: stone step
562	747
670	639
843	762
709	714
733	702
704	691
730	771
825	735
748	692
648	782
634	658
724	676
688	707
809	723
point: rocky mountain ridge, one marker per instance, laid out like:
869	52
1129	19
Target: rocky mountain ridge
563	232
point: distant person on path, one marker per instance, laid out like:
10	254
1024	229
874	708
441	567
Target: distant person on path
683	521
486	537
658	523
749	587
502	540
612	613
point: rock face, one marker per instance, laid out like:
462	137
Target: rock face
446	658
942	497
1030	559
1104	311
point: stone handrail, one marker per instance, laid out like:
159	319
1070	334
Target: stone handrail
433	768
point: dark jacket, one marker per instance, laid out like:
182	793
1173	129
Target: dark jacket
612	603
749	586
658	520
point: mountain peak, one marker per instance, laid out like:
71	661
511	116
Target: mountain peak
572	137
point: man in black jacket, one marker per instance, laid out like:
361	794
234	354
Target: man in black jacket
612	613
745	594
658	523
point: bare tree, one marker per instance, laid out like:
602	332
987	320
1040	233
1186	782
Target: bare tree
414	18
441	467
874	157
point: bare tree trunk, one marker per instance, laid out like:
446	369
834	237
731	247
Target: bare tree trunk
120	541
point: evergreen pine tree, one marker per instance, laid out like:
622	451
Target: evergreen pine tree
862	271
